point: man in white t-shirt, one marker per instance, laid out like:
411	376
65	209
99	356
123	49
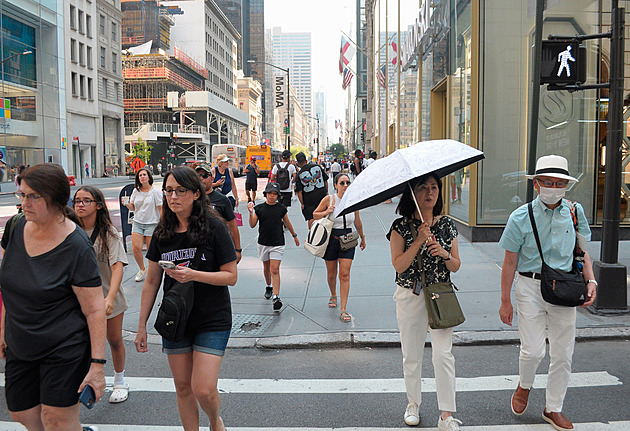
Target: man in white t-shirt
335	168
372	159
285	193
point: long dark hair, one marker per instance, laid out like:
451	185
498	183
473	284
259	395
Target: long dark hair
406	207
50	181
103	220
199	229
138	184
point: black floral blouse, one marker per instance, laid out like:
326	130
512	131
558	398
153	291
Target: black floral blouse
434	266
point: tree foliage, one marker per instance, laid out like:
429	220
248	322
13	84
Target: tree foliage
142	150
338	150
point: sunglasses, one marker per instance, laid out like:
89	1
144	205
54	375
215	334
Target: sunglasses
344	183
204	176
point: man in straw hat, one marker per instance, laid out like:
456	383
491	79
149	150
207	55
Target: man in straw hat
555	225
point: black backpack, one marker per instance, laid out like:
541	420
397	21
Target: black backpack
282	176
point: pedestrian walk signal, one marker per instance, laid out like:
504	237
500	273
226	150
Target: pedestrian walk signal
562	62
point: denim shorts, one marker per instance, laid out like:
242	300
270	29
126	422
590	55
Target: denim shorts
334	251
213	343
143	228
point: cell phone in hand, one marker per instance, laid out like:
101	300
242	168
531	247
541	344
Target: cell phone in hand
87	397
165	264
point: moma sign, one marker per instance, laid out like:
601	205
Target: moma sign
280	88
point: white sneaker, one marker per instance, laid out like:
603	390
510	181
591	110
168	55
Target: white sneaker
449	424
412	417
141	275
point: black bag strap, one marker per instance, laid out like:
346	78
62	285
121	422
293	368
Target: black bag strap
414	235
530	210
95	233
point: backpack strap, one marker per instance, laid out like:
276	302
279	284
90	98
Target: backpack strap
95	233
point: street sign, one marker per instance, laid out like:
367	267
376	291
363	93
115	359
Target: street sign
563	62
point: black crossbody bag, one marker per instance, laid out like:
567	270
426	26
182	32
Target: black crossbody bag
559	287
177	304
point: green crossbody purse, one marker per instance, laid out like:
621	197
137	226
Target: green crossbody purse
442	305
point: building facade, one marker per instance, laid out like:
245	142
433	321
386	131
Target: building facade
32	124
250	101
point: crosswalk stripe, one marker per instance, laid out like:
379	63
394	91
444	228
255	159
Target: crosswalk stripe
363	386
587	426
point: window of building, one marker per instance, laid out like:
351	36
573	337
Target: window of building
81	54
82	86
88	56
81	22
90	89
88	25
102	57
74	83
114	62
101	29
73	50
114	31
117	91
73	17
105	88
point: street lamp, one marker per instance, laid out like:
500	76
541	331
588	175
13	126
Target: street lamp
288	95
15	55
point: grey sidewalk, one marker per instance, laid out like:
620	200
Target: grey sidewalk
306	320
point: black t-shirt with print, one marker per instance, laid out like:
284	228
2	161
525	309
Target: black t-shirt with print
212	310
252	176
42	310
222	204
312	181
270	231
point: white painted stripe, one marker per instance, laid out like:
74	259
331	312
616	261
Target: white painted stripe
363	386
588	426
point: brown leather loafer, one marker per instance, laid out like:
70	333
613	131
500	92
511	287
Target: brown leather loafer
519	400
557	420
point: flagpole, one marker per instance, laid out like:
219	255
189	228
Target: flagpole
387	149
397	143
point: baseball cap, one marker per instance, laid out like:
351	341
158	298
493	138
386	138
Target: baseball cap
204	166
224	159
272	187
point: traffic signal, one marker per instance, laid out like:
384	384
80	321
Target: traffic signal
286	130
563	62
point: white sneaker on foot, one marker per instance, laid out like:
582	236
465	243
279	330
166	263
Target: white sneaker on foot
412	417
449	424
141	275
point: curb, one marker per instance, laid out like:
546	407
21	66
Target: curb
333	340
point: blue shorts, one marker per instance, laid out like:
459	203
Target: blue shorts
334	251
213	343
143	228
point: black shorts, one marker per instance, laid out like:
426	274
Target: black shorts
334	251
307	211
252	187
285	198
53	380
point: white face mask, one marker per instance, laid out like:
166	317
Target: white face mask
551	195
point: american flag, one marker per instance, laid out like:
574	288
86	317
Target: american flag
347	78
381	75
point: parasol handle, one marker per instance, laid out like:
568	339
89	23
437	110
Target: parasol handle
413	196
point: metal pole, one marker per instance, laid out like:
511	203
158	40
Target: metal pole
289	109
398	101
535	104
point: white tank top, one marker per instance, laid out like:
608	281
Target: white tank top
338	222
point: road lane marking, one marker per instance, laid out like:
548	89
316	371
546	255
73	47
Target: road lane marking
363	386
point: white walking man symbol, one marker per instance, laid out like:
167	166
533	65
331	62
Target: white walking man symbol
564	57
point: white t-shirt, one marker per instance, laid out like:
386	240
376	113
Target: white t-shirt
368	162
146	205
292	171
338	221
336	167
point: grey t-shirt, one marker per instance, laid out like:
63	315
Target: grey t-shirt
42	311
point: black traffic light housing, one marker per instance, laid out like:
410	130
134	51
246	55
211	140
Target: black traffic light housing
563	62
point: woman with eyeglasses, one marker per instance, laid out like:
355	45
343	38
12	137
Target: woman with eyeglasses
53	322
190	226
146	203
338	260
89	204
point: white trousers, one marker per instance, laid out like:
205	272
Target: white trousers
413	323
534	314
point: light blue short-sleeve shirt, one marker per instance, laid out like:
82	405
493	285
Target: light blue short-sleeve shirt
555	230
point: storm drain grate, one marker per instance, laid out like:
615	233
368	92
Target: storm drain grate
250	324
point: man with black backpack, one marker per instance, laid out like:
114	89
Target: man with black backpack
284	174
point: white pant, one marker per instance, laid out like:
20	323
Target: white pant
534	314
413	323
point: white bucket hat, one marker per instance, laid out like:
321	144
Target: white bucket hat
552	166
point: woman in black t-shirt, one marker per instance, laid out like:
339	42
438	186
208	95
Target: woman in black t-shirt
53	332
189	226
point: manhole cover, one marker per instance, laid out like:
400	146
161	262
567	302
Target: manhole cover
250	324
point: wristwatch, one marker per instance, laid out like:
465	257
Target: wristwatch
592	281
238	250
294	235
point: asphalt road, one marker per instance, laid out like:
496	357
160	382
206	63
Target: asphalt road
362	389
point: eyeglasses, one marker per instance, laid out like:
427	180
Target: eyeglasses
204	176
549	183
179	191
85	202
344	183
32	196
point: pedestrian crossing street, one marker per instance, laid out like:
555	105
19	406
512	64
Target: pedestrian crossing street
599	379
